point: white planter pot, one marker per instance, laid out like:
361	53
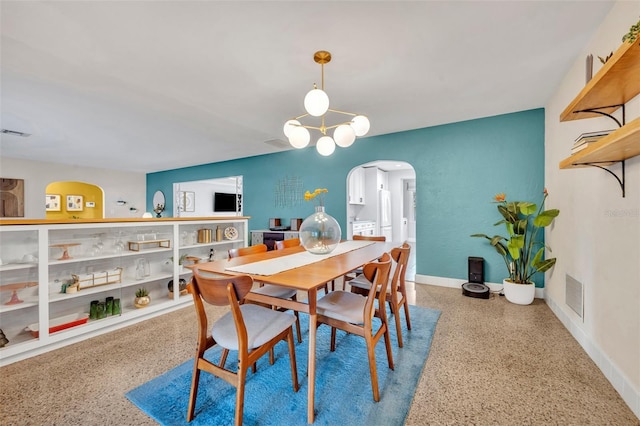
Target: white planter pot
521	294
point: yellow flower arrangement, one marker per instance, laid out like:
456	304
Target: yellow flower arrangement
318	194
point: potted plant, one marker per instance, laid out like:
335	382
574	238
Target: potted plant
142	298
522	250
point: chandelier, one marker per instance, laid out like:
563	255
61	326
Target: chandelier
316	103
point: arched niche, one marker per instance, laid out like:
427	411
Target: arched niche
74	200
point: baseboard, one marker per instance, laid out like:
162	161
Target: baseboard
457	283
618	380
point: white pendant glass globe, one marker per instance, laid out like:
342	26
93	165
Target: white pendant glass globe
289	125
344	135
316	102
360	125
299	137
325	146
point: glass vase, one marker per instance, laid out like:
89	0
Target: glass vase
320	233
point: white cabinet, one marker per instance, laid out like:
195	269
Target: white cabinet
357	186
51	272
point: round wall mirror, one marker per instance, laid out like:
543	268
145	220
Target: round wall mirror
158	203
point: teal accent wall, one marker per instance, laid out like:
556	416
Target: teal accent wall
459	168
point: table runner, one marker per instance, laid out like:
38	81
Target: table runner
296	260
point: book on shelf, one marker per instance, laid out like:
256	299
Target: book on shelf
592	135
579	148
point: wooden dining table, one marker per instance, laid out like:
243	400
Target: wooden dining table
307	278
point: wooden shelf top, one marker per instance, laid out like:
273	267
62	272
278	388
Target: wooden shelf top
616	83
620	145
119	220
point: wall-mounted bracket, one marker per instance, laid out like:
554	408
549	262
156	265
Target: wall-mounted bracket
620	181
597	111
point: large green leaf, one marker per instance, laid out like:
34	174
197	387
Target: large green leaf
520	227
545	265
545	218
509	213
527	208
515	244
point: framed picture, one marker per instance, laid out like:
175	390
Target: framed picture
52	203
187	201
74	203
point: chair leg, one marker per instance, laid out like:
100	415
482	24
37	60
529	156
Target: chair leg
292	360
371	352
242	378
333	339
387	344
396	314
194	391
406	313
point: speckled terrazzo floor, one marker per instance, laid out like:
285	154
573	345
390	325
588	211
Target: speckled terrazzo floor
491	363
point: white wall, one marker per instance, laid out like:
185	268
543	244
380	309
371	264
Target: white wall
130	187
596	238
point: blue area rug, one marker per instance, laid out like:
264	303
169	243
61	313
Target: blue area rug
343	386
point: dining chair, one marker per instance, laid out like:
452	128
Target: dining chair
283	244
351	275
354	314
272	290
249	329
396	290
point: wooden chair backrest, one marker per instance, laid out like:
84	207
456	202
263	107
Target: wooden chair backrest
291	242
377	272
244	251
380	238
400	255
214	291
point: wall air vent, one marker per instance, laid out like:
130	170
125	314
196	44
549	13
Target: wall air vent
574	295
15	133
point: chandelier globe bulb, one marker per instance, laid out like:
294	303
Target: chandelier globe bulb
344	136
316	102
290	125
299	137
360	125
325	146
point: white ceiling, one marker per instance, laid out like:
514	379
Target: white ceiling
154	85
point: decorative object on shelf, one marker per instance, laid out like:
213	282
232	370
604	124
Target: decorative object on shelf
518	250
3	339
632	35
316	103
14	287
589	68
52	203
182	286
75	203
218	233
159	203
109	305
605	59
320	233
93	309
137	245
65	249
59	324
230	233
204	235
95	279
101	311
142	299
117	308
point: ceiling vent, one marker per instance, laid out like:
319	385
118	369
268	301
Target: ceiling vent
15	133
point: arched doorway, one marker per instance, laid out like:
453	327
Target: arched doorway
382	192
